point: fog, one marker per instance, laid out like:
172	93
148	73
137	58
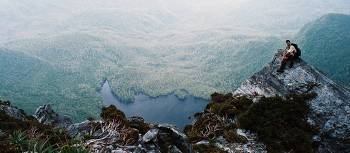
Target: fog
29	18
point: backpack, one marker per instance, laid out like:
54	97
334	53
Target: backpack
298	54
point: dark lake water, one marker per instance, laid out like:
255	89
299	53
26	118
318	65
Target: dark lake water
163	109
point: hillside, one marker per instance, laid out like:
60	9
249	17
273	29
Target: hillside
31	82
300	110
198	67
326	45
155	47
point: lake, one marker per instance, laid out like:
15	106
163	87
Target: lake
162	109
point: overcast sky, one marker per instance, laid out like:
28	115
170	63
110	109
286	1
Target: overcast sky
21	18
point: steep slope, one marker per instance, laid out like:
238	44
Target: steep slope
31	82
199	63
326	45
329	110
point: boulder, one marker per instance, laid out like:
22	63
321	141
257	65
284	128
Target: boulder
46	115
165	138
12	111
84	128
150	136
139	124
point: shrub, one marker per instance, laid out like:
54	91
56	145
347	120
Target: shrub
111	113
74	149
227	105
207	126
40	146
281	123
30	135
19	139
231	136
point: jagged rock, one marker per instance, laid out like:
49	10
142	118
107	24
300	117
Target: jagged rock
151	135
330	109
102	136
2	134
139	124
45	115
250	146
12	111
169	135
174	149
165	138
84	128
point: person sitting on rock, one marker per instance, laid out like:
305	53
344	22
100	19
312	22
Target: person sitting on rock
290	54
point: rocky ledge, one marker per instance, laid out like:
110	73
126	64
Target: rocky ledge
330	109
299	110
112	133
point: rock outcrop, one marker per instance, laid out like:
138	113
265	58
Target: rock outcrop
46	115
103	136
116	133
12	111
330	110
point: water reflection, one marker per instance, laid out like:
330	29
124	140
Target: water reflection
163	109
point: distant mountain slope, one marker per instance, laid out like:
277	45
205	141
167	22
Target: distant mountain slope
75	64
198	64
326	45
32	82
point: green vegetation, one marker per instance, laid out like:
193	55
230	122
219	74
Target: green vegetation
280	123
111	113
215	122
228	105
21	141
325	44
60	51
66	70
113	116
19	138
30	135
26	78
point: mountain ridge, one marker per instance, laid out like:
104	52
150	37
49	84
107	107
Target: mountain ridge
325	44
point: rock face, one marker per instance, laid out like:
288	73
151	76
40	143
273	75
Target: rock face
45	114
160	138
330	109
12	111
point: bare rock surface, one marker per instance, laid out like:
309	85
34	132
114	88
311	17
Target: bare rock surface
45	115
330	109
12	111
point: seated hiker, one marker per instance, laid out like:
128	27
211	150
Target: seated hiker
292	52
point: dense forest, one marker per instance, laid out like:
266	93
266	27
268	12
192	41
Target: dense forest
326	43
